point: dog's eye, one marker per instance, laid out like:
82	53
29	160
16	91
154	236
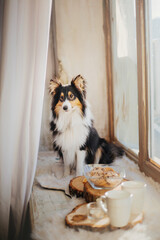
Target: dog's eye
71	96
61	98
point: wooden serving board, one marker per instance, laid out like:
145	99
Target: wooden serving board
77	218
79	187
91	194
76	186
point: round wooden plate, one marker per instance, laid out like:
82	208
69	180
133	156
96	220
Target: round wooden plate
79	187
76	186
77	218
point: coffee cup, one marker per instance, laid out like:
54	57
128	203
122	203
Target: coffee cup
117	204
136	188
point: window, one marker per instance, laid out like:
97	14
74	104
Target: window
133	56
124	66
153	47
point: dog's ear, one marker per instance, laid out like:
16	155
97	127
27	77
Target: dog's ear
54	83
80	84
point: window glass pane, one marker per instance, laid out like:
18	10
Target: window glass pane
153	43
123	23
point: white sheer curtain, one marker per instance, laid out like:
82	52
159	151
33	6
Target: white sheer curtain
22	80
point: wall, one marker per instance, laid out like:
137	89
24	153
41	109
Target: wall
81	50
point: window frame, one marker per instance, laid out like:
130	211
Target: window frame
146	164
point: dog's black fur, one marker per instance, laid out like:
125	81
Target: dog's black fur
109	151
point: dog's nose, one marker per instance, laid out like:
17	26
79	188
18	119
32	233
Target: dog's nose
65	107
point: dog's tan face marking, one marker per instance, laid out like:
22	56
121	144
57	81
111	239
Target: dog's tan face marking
76	103
60	103
58	107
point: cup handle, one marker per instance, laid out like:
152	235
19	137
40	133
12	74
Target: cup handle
101	201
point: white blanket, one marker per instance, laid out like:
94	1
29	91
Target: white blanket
54	228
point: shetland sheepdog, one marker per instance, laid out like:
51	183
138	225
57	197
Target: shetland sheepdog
74	137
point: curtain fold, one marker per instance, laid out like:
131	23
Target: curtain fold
22	80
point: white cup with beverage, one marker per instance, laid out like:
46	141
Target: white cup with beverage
138	189
117	204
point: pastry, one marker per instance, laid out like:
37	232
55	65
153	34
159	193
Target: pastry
104	177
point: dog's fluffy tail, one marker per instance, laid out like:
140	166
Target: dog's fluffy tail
109	151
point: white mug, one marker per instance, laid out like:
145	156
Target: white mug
138	190
118	206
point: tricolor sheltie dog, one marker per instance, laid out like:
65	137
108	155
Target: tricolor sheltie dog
74	137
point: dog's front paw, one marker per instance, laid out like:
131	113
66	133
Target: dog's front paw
79	173
66	172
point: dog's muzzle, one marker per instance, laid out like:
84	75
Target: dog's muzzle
66	106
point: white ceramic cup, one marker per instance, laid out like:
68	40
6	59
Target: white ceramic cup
118	206
138	190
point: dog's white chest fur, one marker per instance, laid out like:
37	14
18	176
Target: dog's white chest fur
72	129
